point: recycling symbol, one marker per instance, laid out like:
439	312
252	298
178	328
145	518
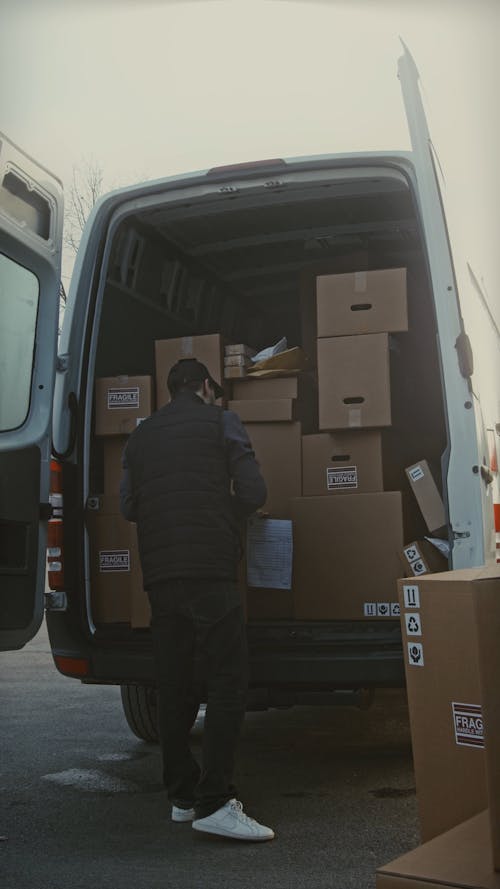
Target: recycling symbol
413	625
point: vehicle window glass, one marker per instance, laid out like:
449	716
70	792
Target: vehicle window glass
19	293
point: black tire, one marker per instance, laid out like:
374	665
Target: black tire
139	706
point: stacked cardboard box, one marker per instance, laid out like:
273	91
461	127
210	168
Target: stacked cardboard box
450	624
208	349
269	407
237	359
117	594
354	314
116	579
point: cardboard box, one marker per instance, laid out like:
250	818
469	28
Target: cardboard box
239	349
362	302
266	410
353	377
117	594
301	387
277	447
487	611
345	556
422	557
426	494
442	677
265	604
113	448
237	361
458	859
121	403
232	373
341	463
208	349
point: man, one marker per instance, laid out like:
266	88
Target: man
189	477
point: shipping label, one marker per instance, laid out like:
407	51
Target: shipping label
411	595
123	399
415	654
114	560
468	723
340	479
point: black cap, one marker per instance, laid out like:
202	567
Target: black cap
189	370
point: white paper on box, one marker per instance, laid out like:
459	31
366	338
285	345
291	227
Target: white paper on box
269	553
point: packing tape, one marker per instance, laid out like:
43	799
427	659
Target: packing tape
354	417
359	282
187	345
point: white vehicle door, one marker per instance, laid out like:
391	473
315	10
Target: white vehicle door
31	220
465	481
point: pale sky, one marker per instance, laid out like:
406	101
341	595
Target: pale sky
150	89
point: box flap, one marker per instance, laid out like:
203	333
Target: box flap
459	858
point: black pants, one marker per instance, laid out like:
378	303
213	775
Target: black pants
199	643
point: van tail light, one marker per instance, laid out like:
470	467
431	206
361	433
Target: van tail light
55	550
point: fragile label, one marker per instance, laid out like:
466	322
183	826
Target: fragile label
339	479
411	596
123	398
413	624
468	723
114	560
416	473
383	609
415	654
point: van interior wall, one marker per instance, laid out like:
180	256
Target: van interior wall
133	317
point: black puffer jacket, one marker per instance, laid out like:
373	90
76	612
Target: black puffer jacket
181	485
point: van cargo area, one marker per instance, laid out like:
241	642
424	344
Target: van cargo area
250	260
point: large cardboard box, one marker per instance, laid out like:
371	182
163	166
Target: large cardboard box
121	403
362	302
113	448
117	593
345	556
487	609
301	387
426	494
341	463
444	696
354	386
266	410
208	349
277	447
458	859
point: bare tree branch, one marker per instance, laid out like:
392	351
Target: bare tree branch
86	188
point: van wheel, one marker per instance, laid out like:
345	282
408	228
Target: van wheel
139	706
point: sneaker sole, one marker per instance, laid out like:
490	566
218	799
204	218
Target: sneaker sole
220	832
183	819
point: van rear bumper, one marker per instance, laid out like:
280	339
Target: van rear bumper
304	656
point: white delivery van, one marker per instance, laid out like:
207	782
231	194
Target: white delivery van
212	252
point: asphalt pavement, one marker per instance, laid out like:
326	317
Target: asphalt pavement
82	805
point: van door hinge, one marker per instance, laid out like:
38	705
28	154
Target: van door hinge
55	600
62	363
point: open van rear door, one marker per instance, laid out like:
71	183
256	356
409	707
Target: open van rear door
31	220
465	488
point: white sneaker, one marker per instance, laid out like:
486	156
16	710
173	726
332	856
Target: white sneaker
231	821
179	814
